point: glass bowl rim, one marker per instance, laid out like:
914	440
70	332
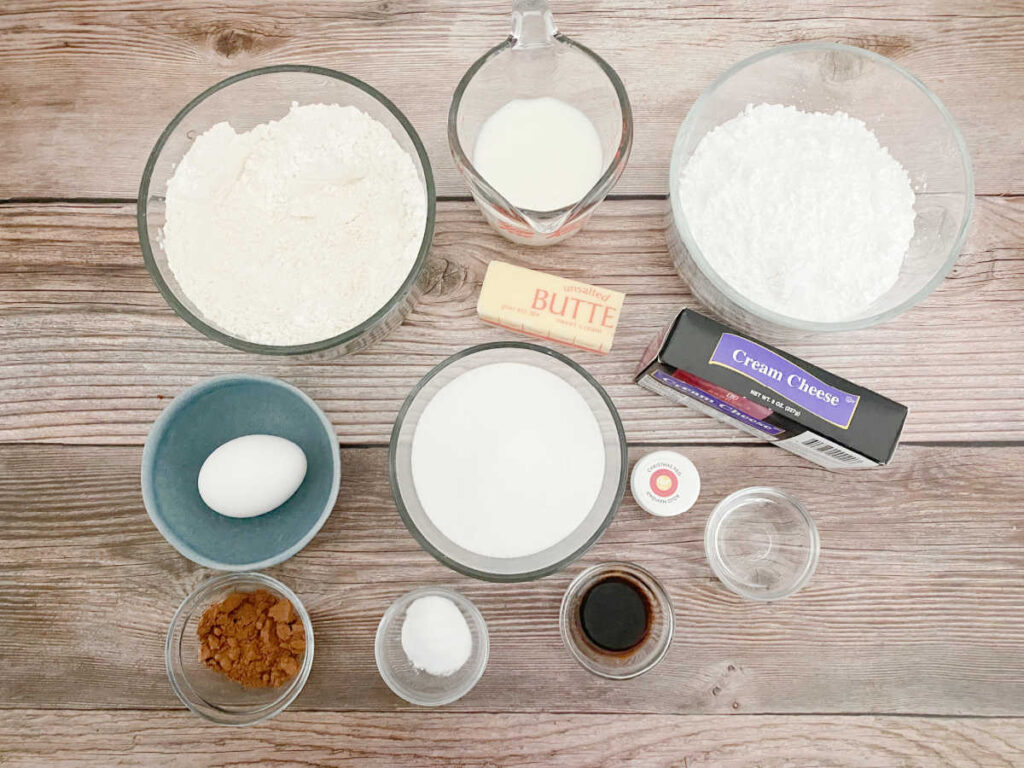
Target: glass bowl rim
191	602
680	222
537	573
142	214
651	581
161	424
462	602
717	563
616	163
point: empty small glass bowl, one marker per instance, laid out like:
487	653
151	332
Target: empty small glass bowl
761	543
415	685
618	665
210	694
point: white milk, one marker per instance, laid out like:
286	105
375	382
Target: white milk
540	154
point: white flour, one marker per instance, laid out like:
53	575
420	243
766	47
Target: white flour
507	459
297	230
804	213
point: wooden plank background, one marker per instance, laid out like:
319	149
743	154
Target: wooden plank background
89	86
907	647
913	607
93	352
71	739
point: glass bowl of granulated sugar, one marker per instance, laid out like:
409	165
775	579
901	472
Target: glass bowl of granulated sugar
817	187
507	461
288	210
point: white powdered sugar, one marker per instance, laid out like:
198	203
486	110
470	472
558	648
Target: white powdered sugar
806	214
297	230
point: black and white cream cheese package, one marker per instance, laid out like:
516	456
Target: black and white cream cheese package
770	394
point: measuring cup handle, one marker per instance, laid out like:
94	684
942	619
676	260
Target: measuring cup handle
532	24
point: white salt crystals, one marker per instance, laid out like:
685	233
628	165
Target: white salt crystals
803	213
435	636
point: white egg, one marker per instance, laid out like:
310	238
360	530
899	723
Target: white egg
251	475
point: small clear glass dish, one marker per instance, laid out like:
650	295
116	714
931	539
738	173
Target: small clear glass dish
246	100
210	694
535	61
618	665
560	554
761	543
415	685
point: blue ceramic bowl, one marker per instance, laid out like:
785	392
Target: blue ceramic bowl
204	417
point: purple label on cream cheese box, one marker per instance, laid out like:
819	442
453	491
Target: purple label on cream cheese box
714	402
760	364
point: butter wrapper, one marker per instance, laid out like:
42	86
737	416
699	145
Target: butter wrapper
549	307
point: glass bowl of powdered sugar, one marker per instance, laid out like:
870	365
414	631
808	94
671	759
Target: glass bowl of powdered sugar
507	461
817	187
288	210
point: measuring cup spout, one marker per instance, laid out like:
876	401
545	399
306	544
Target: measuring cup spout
532	24
544	223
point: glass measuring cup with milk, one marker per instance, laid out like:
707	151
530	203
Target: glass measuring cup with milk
541	128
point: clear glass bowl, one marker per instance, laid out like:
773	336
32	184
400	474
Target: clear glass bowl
415	685
909	121
555	557
761	543
536	60
209	694
246	100
620	665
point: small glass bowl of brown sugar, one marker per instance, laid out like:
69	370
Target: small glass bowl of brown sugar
239	649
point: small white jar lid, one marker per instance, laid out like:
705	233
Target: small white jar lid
665	483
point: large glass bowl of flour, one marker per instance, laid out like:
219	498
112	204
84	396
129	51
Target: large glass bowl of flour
909	122
507	461
348	272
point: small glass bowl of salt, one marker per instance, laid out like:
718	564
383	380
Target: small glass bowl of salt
432	646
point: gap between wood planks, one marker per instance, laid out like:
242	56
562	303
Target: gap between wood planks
439	198
641	444
567	712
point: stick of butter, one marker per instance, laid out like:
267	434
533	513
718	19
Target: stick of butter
549	307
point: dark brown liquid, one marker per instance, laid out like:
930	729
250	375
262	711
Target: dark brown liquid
615	614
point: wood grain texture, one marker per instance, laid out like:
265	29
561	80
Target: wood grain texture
86	88
91	353
69	739
917	605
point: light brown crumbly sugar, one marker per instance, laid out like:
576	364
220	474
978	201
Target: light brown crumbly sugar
254	638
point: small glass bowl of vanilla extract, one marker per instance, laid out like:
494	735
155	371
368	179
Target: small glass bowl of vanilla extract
617	620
